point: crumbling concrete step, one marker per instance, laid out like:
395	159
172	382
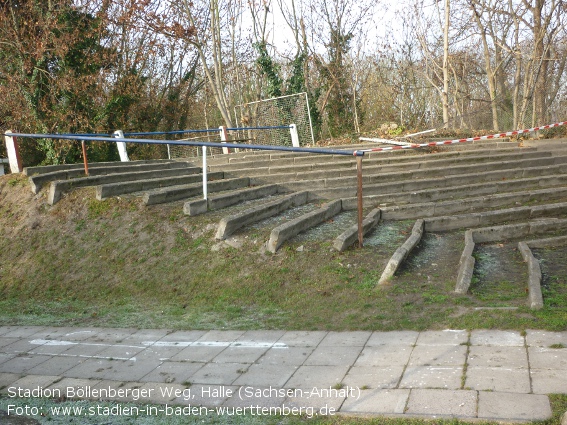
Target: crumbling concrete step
287	230
350	236
422	179
228	199
402	252
487	218
42	169
228	225
346	166
499	233
61	186
120	188
175	193
39	180
389	194
470	205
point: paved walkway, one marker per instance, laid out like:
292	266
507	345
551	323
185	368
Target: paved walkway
486	374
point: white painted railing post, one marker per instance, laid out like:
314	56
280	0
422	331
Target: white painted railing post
294	135
13	153
204	172
223	137
119	134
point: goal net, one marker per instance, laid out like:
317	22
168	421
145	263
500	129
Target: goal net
278	111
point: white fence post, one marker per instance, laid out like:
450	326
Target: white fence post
13	153
119	134
204	172
223	137
294	135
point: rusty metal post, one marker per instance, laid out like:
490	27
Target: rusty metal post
85	160
359	197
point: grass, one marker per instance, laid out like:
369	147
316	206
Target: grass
117	263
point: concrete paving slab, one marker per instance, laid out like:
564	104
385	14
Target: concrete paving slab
500	379
35	383
21	331
548	381
372	377
5	342
513	406
548	358
496	337
220	336
345	339
377	402
111	335
239	355
219	373
172	372
440	403
85	349
145	335
21	346
267	337
121	351
545	338
74	388
384	355
179	336
120	370
445	337
314	405
158	393
7	379
392	338
67	334
432	377
438	355
22	364
333	356
255	397
160	353
302	338
491	356
317	376
291	356
207	395
266	375
56	366
51	349
197	354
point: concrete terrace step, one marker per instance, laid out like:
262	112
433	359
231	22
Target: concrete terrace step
38	180
176	193
61	186
114	189
42	169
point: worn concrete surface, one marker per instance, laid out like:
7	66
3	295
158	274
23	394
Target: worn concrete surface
479	374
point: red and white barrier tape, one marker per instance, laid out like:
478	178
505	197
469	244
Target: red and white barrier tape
455	141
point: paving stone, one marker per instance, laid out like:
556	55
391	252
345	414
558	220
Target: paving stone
492	356
121	351
5	357
548	358
207	395
21	346
21	364
219	373
373	377
123	390
392	337
67	334
51	349
445	337
74	388
34	382
377	402
6	379
302	338
5	342
513	406
197	354
111	335
345	339
438	355
548	381
266	375
317	376
432	377
21	331
147	336
384	355
5	329
85	349
180	336
56	365
291	356
261	336
160	353
500	379
220	336
333	356
316	405
120	370
461	404
239	355
242	398
496	337
160	393
545	338
172	372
